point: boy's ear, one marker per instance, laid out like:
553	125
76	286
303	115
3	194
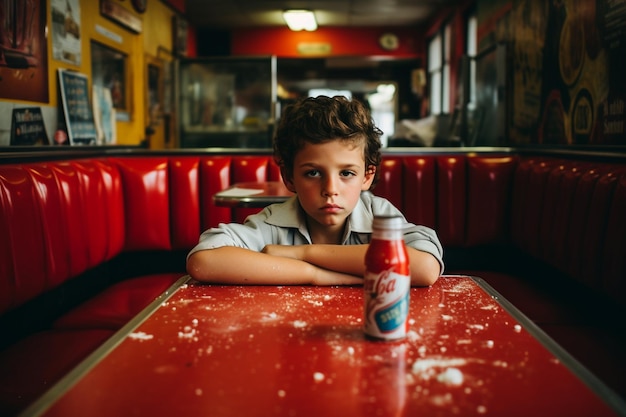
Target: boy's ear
370	172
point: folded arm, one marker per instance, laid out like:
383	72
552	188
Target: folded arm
350	259
233	265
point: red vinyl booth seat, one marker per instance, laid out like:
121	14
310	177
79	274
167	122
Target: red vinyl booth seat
62	220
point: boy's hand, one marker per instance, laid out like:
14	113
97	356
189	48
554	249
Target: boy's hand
320	276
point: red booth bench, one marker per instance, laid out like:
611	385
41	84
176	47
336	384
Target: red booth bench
88	240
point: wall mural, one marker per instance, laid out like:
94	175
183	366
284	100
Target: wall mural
567	84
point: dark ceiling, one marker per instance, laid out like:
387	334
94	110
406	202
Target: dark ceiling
230	14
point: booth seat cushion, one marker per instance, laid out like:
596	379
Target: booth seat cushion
536	302
597	348
118	304
36	363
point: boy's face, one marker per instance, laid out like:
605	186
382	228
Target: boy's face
328	179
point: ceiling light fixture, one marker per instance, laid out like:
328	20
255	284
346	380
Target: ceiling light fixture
300	20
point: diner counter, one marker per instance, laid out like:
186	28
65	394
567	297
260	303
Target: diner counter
217	350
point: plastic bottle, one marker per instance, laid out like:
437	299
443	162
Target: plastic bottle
387	281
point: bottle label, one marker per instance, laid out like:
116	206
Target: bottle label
386	304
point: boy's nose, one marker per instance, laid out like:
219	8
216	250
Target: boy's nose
329	188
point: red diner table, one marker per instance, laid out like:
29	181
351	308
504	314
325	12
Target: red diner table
214	350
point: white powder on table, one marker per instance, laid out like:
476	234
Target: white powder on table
140	336
451	376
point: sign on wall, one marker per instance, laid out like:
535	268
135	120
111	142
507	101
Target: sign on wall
27	127
77	113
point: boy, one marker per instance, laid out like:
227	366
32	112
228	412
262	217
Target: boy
328	151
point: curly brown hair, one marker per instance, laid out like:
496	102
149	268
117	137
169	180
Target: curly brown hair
322	119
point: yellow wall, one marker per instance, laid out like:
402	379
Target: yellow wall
153	44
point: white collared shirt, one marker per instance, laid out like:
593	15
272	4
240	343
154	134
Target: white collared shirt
284	224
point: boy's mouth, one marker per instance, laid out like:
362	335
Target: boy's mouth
331	208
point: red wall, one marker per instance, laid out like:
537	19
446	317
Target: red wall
192	42
283	42
179	5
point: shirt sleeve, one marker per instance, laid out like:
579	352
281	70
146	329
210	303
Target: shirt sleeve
424	239
250	235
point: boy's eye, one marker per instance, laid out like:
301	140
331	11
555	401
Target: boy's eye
318	173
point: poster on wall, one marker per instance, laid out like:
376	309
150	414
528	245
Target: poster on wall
77	114
23	51
66	31
104	116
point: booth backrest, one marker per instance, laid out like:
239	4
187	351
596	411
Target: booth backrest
57	220
465	198
572	215
61	218
568	213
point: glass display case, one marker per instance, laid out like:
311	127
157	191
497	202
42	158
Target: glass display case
226	102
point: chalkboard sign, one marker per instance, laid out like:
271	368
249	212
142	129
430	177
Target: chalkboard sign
27	127
77	113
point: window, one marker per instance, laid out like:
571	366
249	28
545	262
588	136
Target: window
472	49
434	74
314	92
439	52
447	52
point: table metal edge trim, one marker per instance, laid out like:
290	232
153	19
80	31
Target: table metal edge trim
248	201
586	376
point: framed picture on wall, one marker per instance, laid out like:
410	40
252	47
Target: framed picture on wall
66	31
154	91
166	57
109	69
121	15
24	51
